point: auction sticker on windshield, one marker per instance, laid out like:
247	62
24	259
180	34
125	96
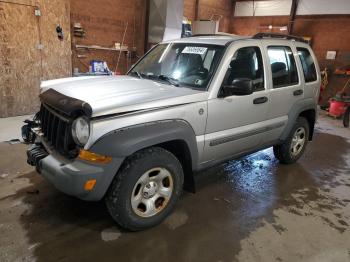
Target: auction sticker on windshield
194	50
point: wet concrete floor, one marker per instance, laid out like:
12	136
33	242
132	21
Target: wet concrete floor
250	209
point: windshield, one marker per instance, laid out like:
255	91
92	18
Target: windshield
180	64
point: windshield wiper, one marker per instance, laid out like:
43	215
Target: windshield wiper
170	80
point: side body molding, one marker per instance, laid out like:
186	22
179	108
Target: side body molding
126	141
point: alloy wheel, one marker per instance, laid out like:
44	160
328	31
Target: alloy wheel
298	141
152	192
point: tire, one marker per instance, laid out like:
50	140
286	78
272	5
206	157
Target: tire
346	117
293	148
145	190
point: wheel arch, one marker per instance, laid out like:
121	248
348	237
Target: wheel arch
310	116
180	150
176	136
305	108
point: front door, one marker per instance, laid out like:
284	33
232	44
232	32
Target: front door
236	123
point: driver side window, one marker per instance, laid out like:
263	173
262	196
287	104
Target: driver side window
246	63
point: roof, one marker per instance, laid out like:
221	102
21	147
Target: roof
209	39
223	38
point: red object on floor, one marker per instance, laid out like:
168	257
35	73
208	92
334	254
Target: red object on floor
337	108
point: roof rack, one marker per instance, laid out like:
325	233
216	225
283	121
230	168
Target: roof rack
281	36
209	35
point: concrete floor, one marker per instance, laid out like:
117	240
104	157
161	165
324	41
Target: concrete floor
11	127
251	209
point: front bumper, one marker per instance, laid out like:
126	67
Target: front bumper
69	176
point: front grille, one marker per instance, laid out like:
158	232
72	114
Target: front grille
56	129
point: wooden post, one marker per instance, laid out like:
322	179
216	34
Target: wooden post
146	25
293	11
196	10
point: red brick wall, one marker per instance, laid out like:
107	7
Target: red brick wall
190	9
104	22
328	32
252	25
209	7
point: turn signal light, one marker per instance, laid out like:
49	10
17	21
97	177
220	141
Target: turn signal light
93	157
90	184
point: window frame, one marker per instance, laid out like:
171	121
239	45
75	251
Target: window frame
295	63
262	65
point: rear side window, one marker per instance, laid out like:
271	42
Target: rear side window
308	64
283	68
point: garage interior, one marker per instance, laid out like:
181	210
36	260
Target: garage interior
247	209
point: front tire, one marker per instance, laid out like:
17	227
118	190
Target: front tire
146	189
294	146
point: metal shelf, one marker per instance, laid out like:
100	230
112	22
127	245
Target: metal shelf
95	47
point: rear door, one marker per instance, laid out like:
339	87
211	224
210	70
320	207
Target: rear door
286	87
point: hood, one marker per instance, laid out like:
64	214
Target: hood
117	94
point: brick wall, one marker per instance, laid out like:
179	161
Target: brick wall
209	7
104	23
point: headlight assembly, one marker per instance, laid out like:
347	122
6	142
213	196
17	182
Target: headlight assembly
81	130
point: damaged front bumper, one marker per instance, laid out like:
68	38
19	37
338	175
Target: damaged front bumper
35	154
70	176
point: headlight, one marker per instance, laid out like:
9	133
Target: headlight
81	130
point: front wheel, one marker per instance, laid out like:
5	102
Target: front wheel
146	189
294	146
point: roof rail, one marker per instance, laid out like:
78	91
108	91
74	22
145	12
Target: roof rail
209	35
281	36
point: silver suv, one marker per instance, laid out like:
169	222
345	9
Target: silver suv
136	140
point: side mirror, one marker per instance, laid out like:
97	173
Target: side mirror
239	87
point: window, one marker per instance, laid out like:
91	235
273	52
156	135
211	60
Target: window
247	63
208	58
180	64
283	68
308	64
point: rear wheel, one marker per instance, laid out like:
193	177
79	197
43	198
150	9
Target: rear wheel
294	146
146	189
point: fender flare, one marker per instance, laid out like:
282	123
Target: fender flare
296	110
128	140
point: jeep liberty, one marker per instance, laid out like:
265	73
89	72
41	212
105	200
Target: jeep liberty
136	141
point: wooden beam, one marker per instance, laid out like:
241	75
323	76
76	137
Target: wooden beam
233	7
232	15
196	10
145	48
293	11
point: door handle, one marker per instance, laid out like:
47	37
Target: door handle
298	92
260	100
